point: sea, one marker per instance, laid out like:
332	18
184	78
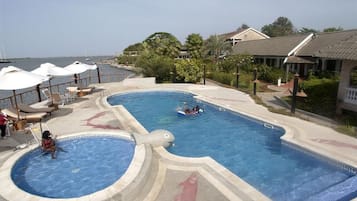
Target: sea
108	73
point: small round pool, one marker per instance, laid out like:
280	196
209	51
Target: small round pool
87	164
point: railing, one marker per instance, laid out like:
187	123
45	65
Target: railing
351	96
34	94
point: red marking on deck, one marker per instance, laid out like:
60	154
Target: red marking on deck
102	126
189	190
334	143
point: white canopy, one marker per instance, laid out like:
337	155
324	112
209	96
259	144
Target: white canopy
51	70
13	78
79	67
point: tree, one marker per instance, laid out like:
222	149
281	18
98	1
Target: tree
282	26
154	65
215	46
194	44
188	70
242	27
230	63
333	29
163	43
307	30
134	47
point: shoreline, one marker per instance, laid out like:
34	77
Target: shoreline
120	66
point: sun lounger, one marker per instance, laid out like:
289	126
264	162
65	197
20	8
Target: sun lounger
30	109
86	90
80	91
58	99
54	99
30	117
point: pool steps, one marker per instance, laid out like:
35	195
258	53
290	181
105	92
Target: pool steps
309	188
342	191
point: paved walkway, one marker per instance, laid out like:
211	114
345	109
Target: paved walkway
163	176
274	100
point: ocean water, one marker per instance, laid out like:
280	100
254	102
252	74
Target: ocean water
107	72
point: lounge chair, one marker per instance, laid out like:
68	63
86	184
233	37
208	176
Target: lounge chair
72	93
30	117
46	93
30	109
80	91
58	99
86	90
54	98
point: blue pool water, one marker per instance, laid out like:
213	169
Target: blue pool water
245	146
88	165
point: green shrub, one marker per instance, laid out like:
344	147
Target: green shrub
157	66
126	59
321	96
245	80
270	74
188	70
221	77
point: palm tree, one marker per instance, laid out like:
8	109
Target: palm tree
194	43
216	46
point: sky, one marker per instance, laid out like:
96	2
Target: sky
55	28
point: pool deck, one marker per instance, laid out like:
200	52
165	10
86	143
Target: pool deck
163	176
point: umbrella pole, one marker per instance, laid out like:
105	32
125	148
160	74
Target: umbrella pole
38	93
41	125
49	85
17	107
98	74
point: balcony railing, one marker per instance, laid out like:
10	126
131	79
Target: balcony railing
32	95
351	96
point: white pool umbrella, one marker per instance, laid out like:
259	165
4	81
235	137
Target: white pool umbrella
13	78
50	70
79	67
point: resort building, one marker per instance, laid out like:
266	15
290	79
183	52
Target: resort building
296	53
344	51
334	52
243	35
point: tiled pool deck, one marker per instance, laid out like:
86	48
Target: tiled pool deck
159	175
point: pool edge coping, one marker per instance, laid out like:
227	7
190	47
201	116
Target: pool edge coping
291	134
10	191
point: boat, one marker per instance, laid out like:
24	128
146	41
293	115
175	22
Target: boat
3	58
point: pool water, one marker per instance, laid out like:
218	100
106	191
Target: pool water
88	164
245	146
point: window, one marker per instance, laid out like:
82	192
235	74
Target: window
331	65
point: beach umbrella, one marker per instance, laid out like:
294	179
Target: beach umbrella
50	70
13	78
79	67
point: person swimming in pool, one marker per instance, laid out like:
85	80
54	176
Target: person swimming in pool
48	143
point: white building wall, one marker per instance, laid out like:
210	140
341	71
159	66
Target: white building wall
346	68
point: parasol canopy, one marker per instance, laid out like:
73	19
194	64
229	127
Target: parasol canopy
51	70
79	67
13	78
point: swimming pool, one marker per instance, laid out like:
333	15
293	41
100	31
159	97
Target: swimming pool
247	147
89	164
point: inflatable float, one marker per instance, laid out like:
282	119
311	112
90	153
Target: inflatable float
189	113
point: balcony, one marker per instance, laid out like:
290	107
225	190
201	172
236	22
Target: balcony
351	96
